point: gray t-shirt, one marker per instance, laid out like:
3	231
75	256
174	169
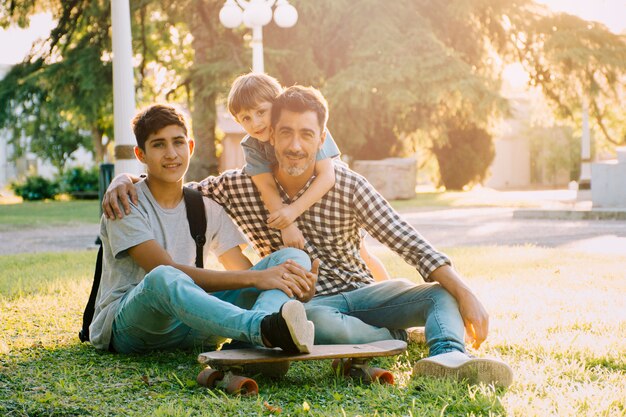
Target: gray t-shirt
170	229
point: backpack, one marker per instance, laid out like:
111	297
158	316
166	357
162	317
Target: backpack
196	216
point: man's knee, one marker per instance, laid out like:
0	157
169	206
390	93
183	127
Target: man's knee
297	255
162	277
442	297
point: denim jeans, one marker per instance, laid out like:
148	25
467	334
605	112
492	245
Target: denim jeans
167	310
383	310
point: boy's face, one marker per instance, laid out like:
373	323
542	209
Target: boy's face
256	121
166	154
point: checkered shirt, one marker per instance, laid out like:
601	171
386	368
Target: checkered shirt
331	227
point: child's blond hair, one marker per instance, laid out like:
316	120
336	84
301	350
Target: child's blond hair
249	90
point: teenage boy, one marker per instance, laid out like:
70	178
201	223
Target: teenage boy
348	306
152	297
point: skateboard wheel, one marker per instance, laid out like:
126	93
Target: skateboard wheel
240	385
382	376
209	377
342	366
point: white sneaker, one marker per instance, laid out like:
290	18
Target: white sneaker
458	365
302	330
416	335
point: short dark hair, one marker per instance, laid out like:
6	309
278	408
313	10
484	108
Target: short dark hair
301	99
154	118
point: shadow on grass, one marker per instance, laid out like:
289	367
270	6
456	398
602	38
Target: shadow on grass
79	380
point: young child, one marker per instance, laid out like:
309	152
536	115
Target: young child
250	103
153	297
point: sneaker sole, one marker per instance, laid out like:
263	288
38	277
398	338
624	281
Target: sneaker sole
301	330
475	371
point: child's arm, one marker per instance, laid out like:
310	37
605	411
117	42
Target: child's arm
291	235
374	264
323	182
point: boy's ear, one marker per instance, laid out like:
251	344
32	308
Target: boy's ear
271	136
192	146
139	154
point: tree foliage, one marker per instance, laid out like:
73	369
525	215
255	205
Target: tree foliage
574	60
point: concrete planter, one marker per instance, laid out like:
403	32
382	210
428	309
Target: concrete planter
608	182
394	178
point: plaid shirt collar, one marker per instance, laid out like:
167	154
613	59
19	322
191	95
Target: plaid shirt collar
331	227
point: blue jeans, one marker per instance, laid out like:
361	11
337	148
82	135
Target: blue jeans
167	310
382	311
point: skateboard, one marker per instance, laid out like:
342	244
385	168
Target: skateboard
351	361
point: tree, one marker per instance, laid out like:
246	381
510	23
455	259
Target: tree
572	60
62	92
397	72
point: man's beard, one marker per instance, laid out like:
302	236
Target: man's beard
296	170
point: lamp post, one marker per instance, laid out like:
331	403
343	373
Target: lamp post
123	89
255	15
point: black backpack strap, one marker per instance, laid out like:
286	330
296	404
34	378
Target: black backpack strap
83	335
196	216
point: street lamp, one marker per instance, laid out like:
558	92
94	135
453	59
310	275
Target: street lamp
255	15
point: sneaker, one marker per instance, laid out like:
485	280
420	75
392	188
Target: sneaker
289	329
458	365
416	335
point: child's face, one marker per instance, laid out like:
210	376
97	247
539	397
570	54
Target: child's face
256	121
166	154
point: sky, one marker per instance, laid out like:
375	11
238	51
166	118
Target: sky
15	43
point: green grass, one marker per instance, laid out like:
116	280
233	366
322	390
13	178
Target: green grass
48	213
557	317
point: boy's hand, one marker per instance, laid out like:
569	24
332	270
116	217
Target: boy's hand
292	237
289	277
282	218
118	192
312	279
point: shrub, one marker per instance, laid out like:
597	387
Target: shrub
465	158
80	182
36	188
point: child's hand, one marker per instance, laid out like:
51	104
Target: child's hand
292	237
282	218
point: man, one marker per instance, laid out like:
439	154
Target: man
348	308
152	297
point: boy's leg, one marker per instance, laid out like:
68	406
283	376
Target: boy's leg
271	300
167	302
384	310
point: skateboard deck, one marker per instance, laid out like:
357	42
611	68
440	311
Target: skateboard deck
349	361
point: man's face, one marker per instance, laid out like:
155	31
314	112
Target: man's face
296	138
166	154
256	121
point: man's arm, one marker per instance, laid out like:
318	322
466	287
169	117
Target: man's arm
323	182
119	190
288	277
379	219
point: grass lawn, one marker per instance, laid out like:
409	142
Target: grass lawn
557	318
47	213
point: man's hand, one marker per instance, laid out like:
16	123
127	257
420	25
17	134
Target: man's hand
292	237
118	192
282	218
475	318
312	279
289	277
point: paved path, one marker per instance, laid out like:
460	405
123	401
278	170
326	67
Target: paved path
496	226
443	228
49	239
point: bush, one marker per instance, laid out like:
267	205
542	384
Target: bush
36	188
80	182
465	158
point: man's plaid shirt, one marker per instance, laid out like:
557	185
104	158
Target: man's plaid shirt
330	227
